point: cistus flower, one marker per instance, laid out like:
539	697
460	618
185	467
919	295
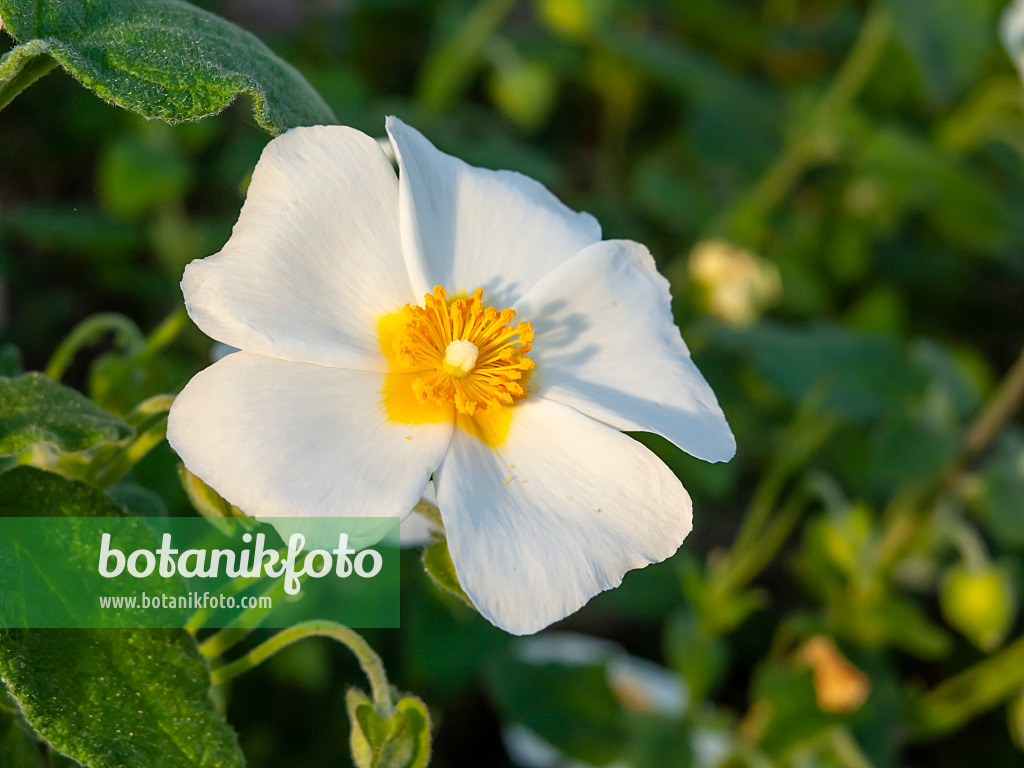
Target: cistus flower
448	322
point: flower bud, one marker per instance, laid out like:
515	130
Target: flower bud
978	602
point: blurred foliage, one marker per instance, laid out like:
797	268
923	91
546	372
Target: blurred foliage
867	157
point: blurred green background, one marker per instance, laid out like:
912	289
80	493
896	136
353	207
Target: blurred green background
833	189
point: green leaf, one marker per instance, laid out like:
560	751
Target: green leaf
417	730
58	598
31	492
10	361
165	59
996	495
34	408
573	708
438	563
857	376
398	740
18	747
136	175
22	66
113	698
698	656
948	40
785	693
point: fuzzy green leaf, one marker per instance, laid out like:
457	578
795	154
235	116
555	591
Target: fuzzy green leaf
35	408
165	59
113	698
32	492
22	66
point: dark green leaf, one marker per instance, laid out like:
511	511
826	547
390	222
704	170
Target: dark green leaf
571	707
947	40
10	361
856	376
31	492
165	59
35	408
997	497
698	656
112	698
33	594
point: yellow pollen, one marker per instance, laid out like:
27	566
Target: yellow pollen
455	358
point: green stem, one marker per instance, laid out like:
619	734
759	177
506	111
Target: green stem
997	412
847	750
114	467
221	641
909	512
367	657
745	565
201	616
446	72
971	547
973	691
802	439
89	331
814	143
166	332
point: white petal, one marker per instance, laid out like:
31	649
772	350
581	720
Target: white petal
606	344
467	228
315	258
417	531
555	515
282	439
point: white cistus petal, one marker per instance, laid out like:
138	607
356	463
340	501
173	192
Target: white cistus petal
557	513
281	439
315	258
606	344
467	228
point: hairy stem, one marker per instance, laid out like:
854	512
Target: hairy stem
367	657
90	331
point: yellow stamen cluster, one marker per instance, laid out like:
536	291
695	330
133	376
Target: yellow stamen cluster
424	344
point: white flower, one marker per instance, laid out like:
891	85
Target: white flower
345	286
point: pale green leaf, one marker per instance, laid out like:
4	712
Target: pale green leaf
165	59
438	563
35	408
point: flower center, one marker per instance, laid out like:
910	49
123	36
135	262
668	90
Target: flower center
461	352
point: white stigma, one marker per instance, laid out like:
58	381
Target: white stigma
461	354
